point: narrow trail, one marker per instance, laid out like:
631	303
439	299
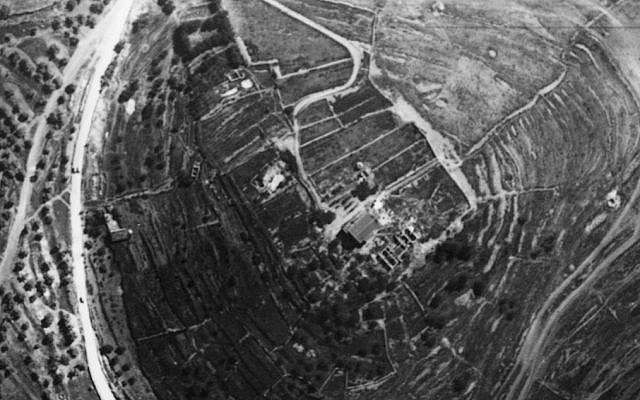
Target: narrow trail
512	116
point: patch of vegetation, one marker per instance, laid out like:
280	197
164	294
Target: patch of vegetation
453	250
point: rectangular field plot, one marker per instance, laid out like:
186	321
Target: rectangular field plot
372	105
223	134
320	153
34	47
365	92
434	200
351	22
273	125
365	100
315	112
298	86
286	217
403	148
405	160
245	174
317	130
270	34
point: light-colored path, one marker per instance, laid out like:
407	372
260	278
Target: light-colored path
112	27
354	51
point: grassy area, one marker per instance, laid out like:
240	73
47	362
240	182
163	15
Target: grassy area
315	112
318	129
388	149
350	22
324	151
296	87
292	43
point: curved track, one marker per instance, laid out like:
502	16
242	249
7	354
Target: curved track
111	29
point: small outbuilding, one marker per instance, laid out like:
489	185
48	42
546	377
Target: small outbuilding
235	75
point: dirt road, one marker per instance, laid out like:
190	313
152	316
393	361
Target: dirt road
112	28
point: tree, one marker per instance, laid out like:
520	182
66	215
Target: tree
166	6
52	52
214	6
5	11
96	8
66	329
128	91
18	266
181	44
46	321
47	340
106	349
226	30
234	58
453	249
119	46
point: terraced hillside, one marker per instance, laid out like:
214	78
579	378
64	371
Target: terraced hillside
314	199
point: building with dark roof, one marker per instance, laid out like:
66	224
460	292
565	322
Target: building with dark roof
116	233
362	228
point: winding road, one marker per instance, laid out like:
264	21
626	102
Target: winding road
354	51
108	34
93	55
356	54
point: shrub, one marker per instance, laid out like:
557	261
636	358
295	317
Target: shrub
453	249
4	12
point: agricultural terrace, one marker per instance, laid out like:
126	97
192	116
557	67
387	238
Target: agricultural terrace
295	45
433	201
472	78
349	22
296	86
228	139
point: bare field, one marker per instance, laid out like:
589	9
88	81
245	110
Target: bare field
315	112
318	129
28	6
477	71
433	201
365	99
407	158
347	21
223	141
396	146
296	87
295	45
319	154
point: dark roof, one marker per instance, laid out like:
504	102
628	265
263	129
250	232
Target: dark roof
362	227
120	235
